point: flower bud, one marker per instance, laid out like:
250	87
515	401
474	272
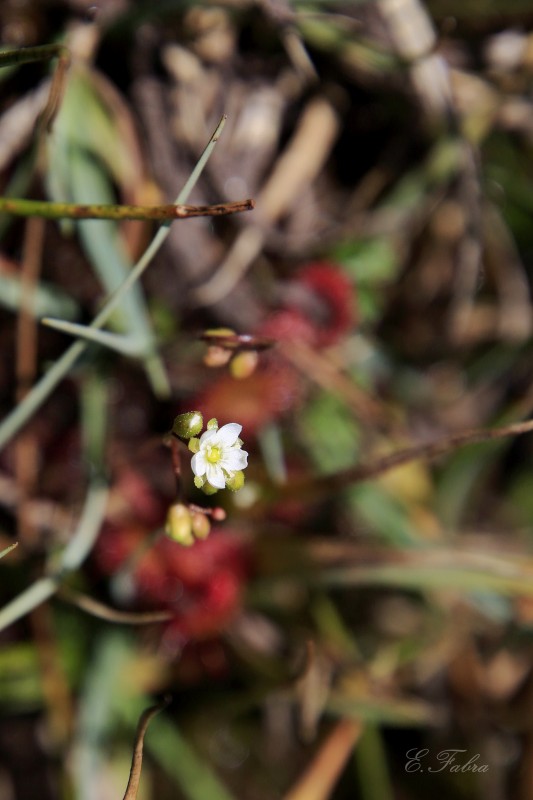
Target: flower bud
223	333
216	356
188	424
243	364
178	525
208	489
213	423
200	525
236	481
194	444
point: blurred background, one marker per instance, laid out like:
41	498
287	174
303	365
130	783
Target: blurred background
342	616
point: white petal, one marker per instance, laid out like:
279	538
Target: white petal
215	476
234	460
204	438
198	464
228	434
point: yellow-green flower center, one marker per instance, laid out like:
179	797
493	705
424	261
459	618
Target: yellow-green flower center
213	454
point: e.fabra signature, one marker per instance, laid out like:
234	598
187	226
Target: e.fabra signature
451	760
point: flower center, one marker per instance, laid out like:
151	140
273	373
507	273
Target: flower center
213	454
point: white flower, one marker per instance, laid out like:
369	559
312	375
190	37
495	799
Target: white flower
219	455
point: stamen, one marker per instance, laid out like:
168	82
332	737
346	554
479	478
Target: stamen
213	454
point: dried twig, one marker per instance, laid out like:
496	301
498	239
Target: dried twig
429	451
26	450
46	52
101	611
318	780
324	372
136	762
296	168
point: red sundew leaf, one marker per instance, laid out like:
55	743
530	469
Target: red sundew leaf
336	292
223	593
208	612
196	566
287	325
201	585
154	586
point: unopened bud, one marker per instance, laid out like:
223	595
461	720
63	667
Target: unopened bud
188	424
179	524
236	481
221	333
194	444
243	364
213	423
208	489
216	356
200	525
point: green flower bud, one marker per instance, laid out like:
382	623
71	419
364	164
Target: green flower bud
221	332
236	481
243	364
208	489
179	524
194	444
200	525
187	425
213	423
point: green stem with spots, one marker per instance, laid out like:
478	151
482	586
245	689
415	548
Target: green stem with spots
42	208
29	55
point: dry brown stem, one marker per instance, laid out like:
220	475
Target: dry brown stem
137	759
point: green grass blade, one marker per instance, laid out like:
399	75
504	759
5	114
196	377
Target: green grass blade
47	299
372	767
72	557
120	343
34	399
427	578
7	550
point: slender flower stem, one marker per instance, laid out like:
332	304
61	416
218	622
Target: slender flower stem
42	208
